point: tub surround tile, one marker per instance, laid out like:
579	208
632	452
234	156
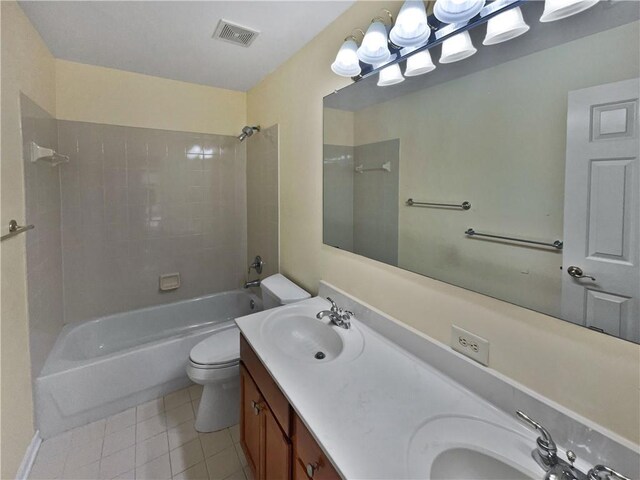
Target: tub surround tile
186	456
176	399
120	421
118	441
158	469
151	427
179	415
223	464
113	465
151	449
215	442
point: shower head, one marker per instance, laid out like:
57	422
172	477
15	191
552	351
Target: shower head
247	131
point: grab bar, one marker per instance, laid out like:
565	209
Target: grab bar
15	229
557	244
412	203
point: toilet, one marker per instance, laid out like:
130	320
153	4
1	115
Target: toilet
215	362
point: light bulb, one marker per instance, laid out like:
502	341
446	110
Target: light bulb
411	28
457	48
346	63
559	9
505	26
374	48
390	75
419	63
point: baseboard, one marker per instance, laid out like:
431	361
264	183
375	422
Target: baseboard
29	457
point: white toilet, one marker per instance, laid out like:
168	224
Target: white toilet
215	362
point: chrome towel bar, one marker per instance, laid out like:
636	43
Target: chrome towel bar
412	203
15	229
557	244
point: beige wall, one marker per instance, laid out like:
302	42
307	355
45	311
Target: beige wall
88	93
512	119
27	66
576	367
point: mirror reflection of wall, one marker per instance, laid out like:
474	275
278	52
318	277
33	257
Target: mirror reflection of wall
496	137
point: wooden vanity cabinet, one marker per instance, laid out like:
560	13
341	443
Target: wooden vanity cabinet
275	441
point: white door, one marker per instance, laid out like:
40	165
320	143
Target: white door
602	210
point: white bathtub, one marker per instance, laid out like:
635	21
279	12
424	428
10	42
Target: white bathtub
100	367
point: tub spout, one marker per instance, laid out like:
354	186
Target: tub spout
252	283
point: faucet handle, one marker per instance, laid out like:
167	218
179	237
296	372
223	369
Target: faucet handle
602	472
334	307
546	446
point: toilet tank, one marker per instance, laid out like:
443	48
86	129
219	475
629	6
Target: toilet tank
278	290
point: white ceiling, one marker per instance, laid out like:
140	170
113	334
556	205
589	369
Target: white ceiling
172	39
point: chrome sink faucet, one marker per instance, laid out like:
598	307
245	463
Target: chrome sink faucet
339	317
546	455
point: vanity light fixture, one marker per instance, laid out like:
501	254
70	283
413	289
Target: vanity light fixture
457	47
417	64
559	9
390	75
375	48
505	26
347	63
411	28
457	11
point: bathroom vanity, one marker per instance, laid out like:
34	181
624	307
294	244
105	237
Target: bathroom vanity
383	401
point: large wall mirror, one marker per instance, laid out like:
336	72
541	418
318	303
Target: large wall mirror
513	173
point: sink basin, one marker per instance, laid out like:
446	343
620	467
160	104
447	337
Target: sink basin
298	334
459	448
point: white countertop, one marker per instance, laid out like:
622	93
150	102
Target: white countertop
364	412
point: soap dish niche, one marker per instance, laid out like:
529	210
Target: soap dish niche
169	281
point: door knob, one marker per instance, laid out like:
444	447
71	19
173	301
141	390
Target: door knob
576	272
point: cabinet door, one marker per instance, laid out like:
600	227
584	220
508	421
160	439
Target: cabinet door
310	460
277	450
251	420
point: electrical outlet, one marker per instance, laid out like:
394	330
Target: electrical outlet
469	344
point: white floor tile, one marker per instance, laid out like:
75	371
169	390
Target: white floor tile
179	415
158	469
55	447
84	454
241	455
195	391
151	449
88	433
118	463
47	467
237	475
119	440
120	421
176	399
183	433
149	409
235	433
215	442
223	464
186	456
248	473
197	472
151	427
195	404
130	475
86	472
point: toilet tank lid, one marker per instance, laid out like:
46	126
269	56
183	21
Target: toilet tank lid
284	289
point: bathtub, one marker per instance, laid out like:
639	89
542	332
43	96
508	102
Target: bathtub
101	367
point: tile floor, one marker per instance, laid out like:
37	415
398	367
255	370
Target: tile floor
155	441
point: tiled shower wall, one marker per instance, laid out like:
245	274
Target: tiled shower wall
262	200
43	244
138	203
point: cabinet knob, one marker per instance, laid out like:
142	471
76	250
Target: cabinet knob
257	407
311	469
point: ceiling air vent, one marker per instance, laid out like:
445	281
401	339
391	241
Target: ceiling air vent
234	33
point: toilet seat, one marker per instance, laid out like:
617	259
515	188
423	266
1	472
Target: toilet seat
220	350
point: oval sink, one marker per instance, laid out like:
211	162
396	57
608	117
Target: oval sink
297	333
458	448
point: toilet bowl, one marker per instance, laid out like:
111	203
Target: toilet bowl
214	363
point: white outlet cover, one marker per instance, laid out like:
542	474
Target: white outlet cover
470	344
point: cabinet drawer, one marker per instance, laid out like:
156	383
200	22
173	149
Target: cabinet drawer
309	457
268	387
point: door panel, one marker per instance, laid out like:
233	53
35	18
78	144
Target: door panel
277	450
250	421
602	209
